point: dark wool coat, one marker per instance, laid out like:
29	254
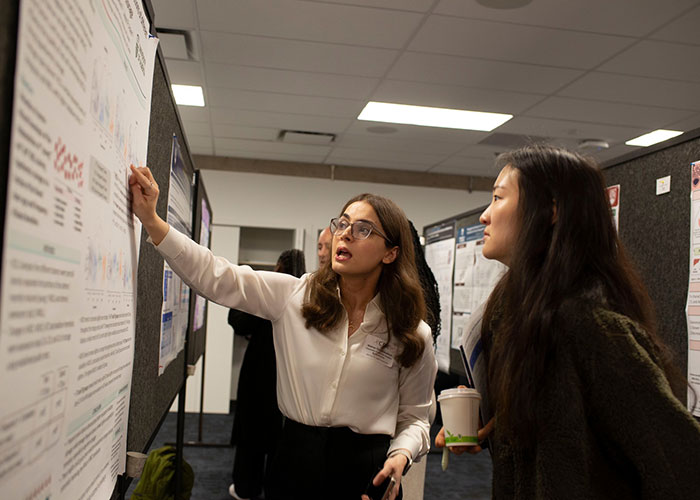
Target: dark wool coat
609	425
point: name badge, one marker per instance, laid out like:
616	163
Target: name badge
373	349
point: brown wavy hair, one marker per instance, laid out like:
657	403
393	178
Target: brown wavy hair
550	264
401	296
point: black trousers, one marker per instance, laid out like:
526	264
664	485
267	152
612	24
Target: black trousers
322	463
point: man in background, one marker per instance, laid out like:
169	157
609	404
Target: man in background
324	247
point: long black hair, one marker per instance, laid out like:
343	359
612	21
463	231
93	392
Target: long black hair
291	262
428	283
566	245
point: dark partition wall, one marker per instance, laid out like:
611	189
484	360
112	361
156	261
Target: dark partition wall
152	395
656	229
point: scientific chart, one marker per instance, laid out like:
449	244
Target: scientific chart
439	254
83	82
693	303
176	294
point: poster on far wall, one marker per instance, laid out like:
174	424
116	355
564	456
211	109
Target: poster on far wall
692	308
439	254
176	294
614	199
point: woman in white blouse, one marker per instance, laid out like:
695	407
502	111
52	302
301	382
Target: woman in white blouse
355	365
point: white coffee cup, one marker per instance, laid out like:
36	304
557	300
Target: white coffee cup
460	416
134	463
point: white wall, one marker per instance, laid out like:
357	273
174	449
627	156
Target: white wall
306	204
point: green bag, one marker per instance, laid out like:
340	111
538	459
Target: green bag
157	480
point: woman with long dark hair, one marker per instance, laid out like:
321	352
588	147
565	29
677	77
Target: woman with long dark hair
355	367
587	399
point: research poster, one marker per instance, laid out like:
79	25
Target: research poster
439	254
176	294
475	277
200	304
693	302
81	107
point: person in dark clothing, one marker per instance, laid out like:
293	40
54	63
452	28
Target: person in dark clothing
588	402
257	424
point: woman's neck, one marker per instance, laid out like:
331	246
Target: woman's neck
356	293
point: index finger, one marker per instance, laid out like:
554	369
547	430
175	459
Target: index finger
142	175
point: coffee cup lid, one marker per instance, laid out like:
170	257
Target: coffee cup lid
458	392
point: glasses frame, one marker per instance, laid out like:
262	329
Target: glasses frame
334	222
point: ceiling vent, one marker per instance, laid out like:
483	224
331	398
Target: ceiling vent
177	44
512	141
309	138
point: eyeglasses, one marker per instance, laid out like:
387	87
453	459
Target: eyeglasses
360	230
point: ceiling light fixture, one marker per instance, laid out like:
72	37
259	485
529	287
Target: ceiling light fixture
188	95
432	117
654	137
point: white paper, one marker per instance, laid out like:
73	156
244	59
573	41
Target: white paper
693	302
176	294
82	98
200	305
440	258
614	200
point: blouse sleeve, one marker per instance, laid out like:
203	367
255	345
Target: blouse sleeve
261	293
415	399
632	403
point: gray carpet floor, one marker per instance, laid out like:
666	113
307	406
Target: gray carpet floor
467	477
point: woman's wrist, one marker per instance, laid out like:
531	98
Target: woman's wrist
157	229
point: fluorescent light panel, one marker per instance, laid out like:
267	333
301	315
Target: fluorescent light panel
432	117
654	137
188	95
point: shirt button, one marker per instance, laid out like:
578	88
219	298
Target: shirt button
342	353
335	385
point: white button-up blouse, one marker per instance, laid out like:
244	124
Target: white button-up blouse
323	379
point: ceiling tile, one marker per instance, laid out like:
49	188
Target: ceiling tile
414	132
174	14
289	82
686	125
387	143
596	16
517	43
200	144
173	45
454	96
284	103
268	146
193	113
571	130
267	155
280	120
478	73
615	152
636	90
290	19
184	72
681	29
606	112
241	132
412	5
657	59
299	56
197	128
